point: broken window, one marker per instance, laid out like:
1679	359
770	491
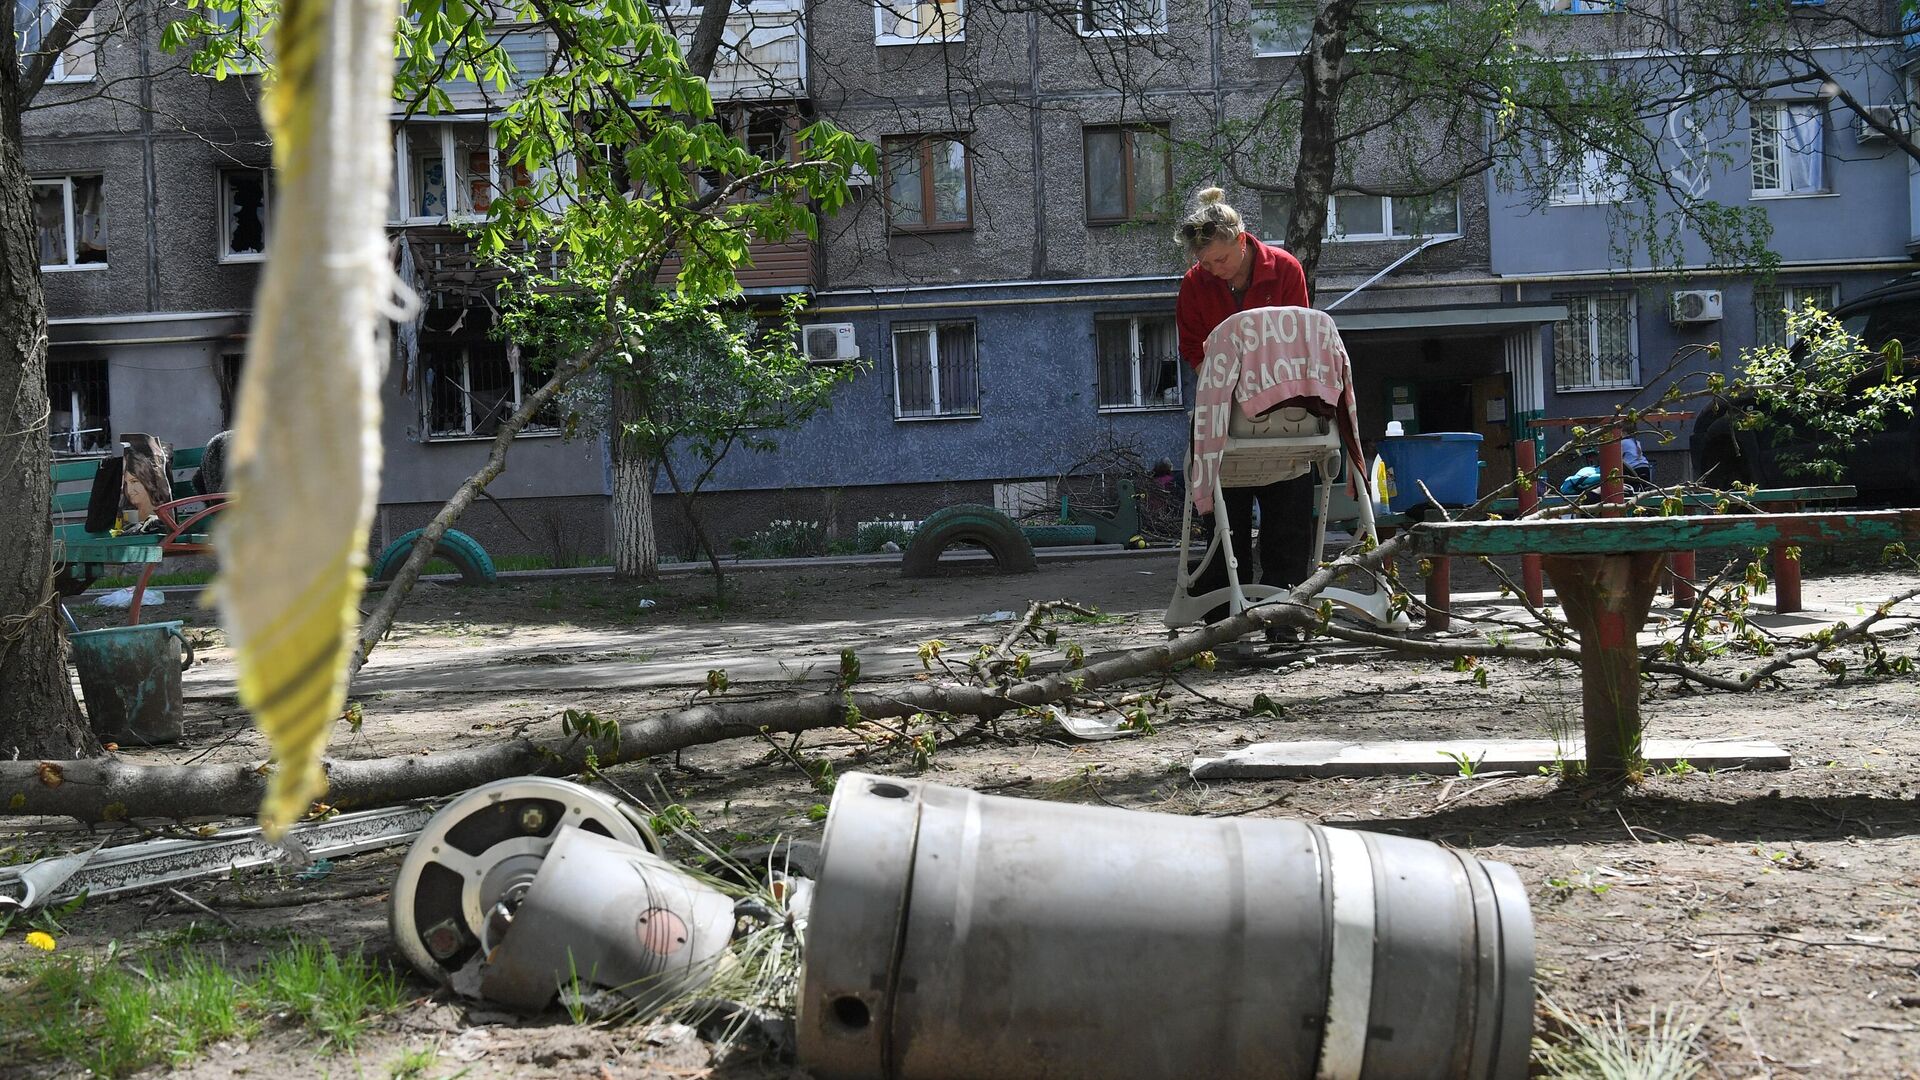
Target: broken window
1789	149
906	22
77	417
69	225
472	388
243	212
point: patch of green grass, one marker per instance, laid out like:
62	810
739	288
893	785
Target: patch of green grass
1578	1048
113	1017
335	996
172	579
414	1064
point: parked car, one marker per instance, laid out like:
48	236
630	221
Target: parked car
1885	466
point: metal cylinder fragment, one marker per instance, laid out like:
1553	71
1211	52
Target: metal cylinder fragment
957	935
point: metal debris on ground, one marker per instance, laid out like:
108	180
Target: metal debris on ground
156	864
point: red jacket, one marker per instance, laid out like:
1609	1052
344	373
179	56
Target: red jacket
1205	301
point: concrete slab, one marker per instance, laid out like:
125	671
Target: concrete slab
1271	761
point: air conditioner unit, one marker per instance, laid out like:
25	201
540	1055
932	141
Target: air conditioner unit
828	343
1695	306
1894	116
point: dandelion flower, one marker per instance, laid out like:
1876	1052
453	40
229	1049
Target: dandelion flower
41	940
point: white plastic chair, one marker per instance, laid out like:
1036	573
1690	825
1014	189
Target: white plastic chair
1283	444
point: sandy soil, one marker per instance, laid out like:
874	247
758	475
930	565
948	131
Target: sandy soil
1780	908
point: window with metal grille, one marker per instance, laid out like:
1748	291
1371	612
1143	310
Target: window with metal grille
1128	173
471	389
928	183
78	419
936	370
1789	149
1115	17
243	214
1596	346
1772	302
69	222
1139	360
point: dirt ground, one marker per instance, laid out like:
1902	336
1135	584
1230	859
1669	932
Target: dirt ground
1780	908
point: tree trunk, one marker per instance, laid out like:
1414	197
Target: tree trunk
689	498
39	716
636	548
1319	132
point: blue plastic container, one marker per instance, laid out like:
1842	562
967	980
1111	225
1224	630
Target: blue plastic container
1447	462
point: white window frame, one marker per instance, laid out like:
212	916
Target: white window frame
1599	181
1592	320
516	372
1264	18
442	130
47	13
1792	297
1139	401
1333	234
888	14
245	63
1088	8
1782	186
65	183
227	254
931	329
1582	7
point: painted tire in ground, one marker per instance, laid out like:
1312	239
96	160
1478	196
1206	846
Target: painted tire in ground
980	525
463	551
1058	535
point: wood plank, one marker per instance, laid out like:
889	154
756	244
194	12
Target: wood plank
110	550
1712	500
1609	536
1278	761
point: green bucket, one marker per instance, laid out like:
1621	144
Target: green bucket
130	678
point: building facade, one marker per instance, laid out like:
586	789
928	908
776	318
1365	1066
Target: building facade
1007	281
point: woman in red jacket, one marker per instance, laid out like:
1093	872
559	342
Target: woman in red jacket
1232	272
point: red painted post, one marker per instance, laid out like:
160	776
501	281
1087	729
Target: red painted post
1613	489
1683	570
1786	574
1439	592
1525	456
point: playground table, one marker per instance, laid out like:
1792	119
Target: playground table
1786	571
1605	572
86	555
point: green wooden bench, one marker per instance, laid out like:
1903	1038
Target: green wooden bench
83	556
1606	571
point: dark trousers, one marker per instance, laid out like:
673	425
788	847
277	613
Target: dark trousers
1286	537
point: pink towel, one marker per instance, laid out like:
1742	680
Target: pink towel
1263	359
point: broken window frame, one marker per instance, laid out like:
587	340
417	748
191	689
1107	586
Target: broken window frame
404	202
71	218
436	354
82	437
227	219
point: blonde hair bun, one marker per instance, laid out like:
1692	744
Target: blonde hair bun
1212	195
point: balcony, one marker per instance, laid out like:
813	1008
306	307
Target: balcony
775	269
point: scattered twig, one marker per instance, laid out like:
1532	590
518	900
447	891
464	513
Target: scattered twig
190	900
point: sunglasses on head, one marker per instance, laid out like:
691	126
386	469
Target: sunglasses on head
1199	232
